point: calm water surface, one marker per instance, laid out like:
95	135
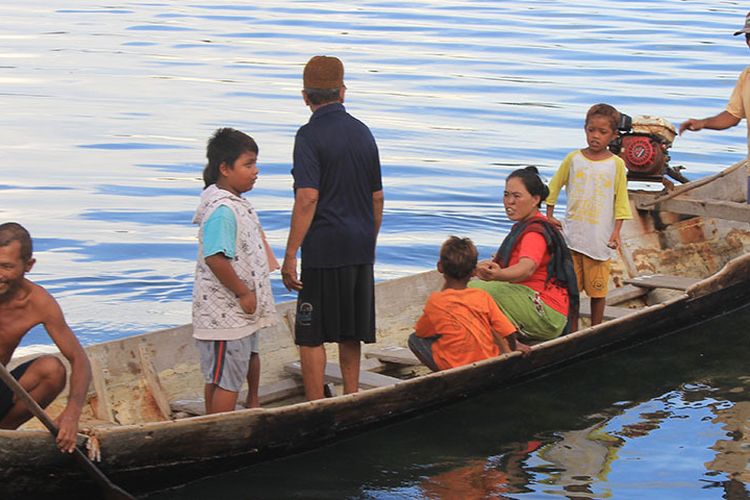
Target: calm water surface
107	107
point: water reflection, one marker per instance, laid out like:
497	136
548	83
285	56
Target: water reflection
732	461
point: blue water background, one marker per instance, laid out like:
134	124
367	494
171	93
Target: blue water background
107	108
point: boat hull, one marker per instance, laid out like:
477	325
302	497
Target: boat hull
155	455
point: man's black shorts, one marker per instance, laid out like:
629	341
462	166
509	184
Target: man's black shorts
336	305
6	394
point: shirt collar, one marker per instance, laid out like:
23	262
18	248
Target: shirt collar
327	109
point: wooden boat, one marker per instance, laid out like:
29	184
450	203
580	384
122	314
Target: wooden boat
684	260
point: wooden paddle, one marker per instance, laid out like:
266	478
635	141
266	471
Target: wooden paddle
110	490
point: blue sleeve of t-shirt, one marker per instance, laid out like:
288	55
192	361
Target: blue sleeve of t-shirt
220	233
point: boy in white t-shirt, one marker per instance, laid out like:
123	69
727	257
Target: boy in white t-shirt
596	186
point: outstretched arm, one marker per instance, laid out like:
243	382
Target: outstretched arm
723	120
80	374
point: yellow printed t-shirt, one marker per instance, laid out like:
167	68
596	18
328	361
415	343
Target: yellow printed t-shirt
463	319
597	195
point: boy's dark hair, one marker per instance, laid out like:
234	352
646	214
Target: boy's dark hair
458	257
225	146
532	182
12	231
322	96
606	111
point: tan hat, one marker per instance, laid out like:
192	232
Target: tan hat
323	72
745	29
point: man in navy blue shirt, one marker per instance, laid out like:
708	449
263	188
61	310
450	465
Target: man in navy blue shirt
338	207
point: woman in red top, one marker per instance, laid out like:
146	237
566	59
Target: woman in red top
531	277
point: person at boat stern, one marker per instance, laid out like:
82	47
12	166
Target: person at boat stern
531	277
461	325
23	305
595	181
232	297
737	108
338	207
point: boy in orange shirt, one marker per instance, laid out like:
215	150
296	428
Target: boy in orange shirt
461	325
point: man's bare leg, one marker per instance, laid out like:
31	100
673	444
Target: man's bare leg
253	382
44	379
349	356
313	361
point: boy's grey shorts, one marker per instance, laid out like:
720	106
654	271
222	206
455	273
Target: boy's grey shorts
225	362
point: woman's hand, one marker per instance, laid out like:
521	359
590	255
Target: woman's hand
488	270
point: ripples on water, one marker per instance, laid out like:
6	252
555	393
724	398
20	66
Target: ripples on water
106	110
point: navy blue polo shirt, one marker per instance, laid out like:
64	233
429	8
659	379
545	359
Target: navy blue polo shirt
336	154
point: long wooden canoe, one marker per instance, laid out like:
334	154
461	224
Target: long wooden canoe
684	260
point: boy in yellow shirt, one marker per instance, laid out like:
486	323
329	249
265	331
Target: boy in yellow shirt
596	186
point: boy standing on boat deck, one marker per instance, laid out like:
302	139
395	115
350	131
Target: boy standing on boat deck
338	206
461	325
23	305
596	185
232	297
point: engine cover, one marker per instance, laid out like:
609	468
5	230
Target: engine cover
644	157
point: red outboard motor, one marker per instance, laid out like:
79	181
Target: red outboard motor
643	144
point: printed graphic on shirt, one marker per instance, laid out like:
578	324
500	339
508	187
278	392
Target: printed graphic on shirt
590	193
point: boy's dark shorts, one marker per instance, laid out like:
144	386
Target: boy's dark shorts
6	394
336	305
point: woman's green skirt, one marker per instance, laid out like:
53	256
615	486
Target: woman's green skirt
534	319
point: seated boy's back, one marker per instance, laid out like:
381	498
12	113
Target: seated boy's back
460	325
464	320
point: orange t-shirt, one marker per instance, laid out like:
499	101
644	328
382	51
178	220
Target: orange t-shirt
464	319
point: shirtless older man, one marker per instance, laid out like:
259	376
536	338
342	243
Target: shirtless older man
23	305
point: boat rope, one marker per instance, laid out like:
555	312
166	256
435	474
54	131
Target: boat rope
93	448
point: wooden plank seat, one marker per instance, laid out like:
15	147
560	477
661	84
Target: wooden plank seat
394	354
367	379
268	393
624	293
681	283
610	312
